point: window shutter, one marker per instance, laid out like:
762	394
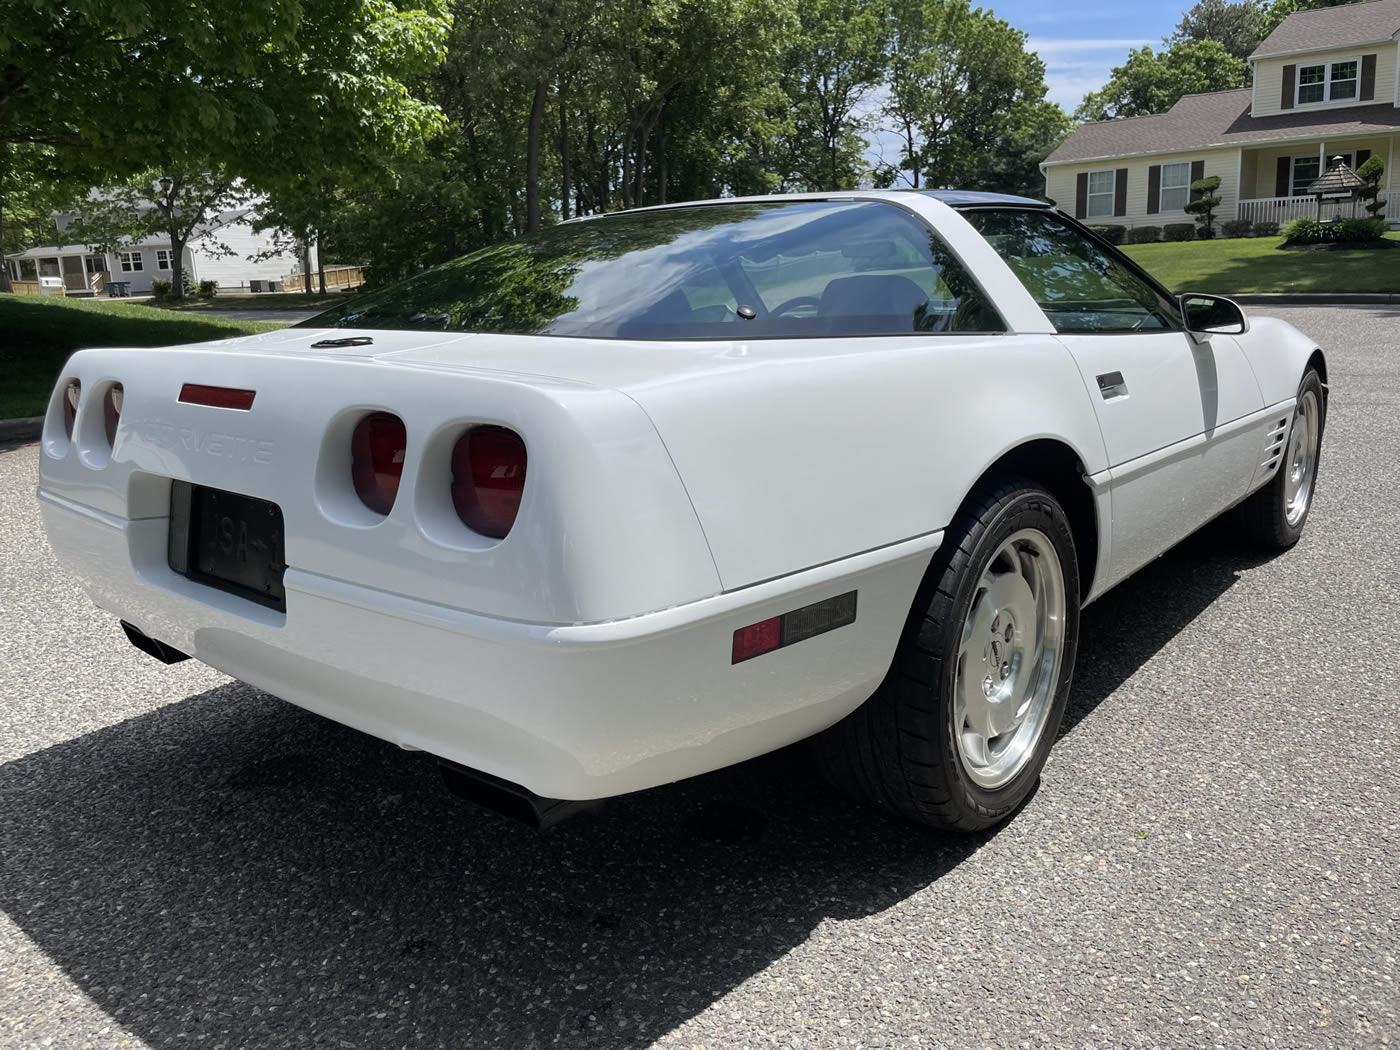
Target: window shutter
1120	192
1362	156
1282	187
1081	194
1198	172
1290	76
1368	77
1154	189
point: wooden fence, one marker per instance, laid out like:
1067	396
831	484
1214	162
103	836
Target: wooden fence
338	279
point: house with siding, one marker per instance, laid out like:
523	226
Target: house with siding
225	249
1325	84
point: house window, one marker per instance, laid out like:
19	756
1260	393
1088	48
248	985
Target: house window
1100	200
162	258
1176	186
1328	82
96	264
1307	169
27	270
131	261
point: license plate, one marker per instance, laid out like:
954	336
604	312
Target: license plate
229	541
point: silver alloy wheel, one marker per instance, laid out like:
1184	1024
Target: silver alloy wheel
1302	458
1009	659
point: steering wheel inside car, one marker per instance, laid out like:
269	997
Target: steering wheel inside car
801	302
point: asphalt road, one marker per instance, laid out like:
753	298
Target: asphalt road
1212	859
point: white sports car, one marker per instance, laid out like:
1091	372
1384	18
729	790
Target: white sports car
647	494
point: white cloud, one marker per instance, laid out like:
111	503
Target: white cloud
1074	67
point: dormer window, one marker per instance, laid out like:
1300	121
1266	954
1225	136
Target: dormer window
1328	82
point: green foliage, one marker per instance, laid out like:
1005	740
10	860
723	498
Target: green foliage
1204	200
1266	228
1310	230
208	289
1237	228
1238	25
1179	231
1113	234
1371	173
1144	234
1152	82
160	288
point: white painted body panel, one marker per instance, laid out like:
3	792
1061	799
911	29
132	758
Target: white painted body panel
676	492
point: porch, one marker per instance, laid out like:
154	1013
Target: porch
1274	179
82	271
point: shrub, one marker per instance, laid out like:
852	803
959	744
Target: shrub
1371	173
160	287
1310	230
208	289
1203	205
1111	233
1267	228
1144	234
1236	227
1179	231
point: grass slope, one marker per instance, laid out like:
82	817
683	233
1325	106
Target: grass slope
1255	264
37	335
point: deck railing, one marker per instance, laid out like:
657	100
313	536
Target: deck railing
1284	209
338	278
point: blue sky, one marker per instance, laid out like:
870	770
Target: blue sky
1079	43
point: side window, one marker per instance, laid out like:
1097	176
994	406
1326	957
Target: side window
1081	287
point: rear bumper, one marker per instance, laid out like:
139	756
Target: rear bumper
574	711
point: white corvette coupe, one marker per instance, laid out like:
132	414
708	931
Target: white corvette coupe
647	494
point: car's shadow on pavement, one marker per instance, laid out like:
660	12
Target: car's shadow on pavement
229	870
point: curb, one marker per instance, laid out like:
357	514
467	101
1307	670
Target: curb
25	429
1316	298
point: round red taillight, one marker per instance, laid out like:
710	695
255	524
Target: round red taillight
376	459
488	476
112	411
72	394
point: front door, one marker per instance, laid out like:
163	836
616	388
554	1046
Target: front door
74	279
1168	406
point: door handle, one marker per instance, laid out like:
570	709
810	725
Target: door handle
1111	385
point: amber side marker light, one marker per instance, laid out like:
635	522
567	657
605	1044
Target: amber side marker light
217	396
792	627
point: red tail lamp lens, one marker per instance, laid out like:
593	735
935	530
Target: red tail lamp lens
488	476
376	459
72	394
112	411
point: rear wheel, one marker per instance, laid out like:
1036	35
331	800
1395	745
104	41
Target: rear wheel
1274	516
957	734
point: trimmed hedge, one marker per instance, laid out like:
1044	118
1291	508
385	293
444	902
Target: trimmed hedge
1113	234
1236	227
1267	228
1144	234
1179	231
208	289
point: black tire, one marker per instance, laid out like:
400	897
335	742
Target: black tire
1262	519
899	749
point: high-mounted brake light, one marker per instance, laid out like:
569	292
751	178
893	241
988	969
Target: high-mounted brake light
72	394
377	450
112	411
792	627
488	478
217	396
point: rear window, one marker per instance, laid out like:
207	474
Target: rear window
722	271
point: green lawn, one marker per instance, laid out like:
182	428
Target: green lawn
1255	264
37	335
261	301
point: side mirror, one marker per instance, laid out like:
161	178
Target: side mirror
1212	314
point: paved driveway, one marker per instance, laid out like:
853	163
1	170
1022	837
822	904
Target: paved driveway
1212	859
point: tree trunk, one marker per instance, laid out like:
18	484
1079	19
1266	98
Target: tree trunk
640	168
320	263
627	167
306	288
177	265
532	157
4	266
566	180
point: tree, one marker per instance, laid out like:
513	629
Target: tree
177	205
1371	172
967	99
1202	204
1150	82
1237	25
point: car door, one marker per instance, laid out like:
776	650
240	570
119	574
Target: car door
1169	404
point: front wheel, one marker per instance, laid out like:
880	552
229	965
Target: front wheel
1273	517
957	734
